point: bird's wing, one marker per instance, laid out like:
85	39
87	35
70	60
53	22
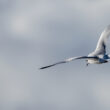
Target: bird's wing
101	45
68	60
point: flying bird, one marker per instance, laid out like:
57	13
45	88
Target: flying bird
98	56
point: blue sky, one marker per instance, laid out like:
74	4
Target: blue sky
35	33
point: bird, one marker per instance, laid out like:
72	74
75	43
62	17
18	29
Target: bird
98	56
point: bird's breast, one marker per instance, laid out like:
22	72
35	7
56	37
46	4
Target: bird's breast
93	61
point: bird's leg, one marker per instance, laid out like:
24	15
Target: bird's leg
87	64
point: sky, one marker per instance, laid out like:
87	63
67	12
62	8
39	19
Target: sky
35	33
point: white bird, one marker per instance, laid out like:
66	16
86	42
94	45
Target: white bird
98	56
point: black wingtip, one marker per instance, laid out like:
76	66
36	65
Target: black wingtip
42	68
46	67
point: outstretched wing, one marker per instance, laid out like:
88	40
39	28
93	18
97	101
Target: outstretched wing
101	45
68	60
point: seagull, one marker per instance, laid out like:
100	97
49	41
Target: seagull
98	56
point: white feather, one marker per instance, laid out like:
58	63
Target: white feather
101	45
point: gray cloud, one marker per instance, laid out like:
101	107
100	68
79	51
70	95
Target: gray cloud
35	33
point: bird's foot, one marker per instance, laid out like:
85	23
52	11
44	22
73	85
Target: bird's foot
87	64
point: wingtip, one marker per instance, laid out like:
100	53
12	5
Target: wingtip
44	67
41	68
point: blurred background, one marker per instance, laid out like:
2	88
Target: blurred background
35	33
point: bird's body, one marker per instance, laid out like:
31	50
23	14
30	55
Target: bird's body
98	56
100	59
96	61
